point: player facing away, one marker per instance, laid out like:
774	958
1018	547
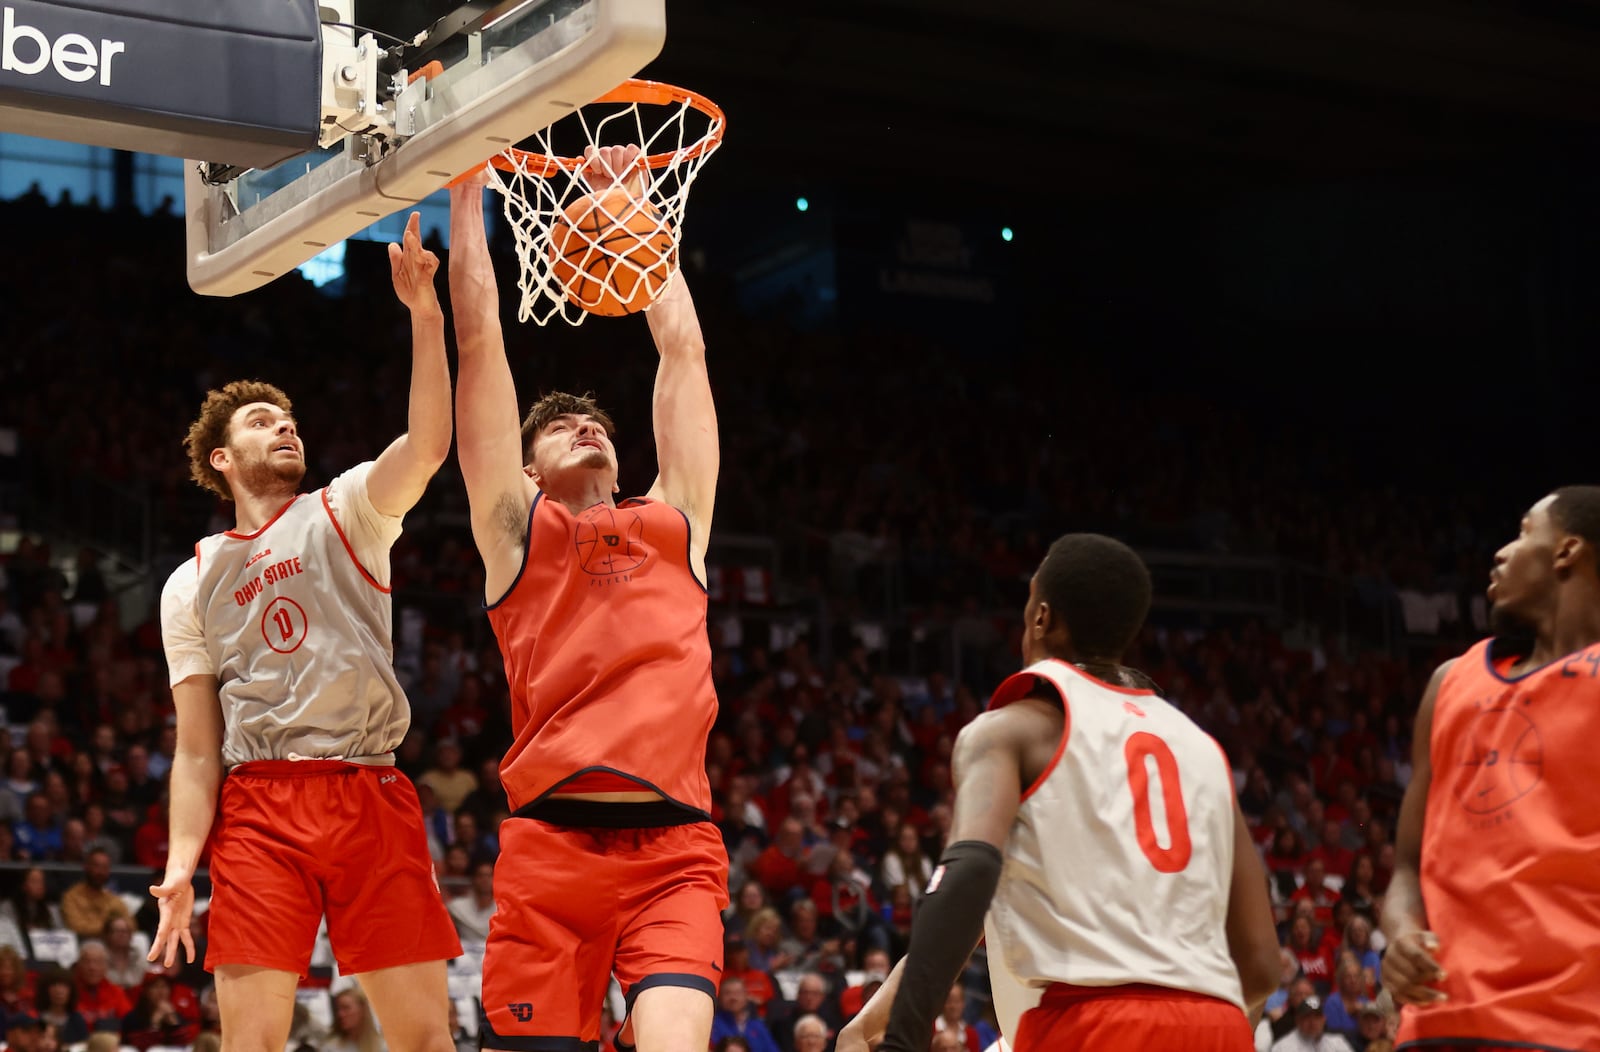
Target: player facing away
278	644
609	862
1493	914
1096	826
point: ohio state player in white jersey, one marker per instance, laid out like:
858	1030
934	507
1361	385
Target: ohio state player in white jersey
1097	828
277	635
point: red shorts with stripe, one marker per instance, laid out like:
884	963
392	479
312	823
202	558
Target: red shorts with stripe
296	839
1149	1018
573	905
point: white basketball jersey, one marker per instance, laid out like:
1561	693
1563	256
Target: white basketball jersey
1119	866
294	621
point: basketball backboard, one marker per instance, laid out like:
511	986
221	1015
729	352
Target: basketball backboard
484	76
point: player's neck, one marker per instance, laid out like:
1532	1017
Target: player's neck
1574	626
581	498
254	510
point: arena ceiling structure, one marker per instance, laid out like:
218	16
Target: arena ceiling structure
1113	96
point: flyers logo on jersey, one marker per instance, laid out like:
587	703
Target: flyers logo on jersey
610	541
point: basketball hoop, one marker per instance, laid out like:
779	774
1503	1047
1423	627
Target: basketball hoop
676	130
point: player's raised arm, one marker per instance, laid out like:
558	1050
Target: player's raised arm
685	416
402	471
196	777
489	436
1408	964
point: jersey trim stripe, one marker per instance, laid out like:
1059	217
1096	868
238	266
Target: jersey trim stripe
197	560
527	550
266	525
373	581
1468	1044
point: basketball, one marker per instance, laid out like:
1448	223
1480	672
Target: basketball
612	253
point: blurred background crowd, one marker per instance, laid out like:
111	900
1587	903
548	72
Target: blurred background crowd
867	578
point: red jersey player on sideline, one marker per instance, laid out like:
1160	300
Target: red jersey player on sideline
1131	910
609	861
277	636
1498	843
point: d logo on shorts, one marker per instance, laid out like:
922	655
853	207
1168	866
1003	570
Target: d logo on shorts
522	1011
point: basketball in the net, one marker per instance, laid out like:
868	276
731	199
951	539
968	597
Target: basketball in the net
613	254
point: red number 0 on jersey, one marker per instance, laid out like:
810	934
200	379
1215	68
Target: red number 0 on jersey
1175	856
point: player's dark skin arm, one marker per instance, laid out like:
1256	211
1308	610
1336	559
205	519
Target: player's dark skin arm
1408	965
1252	934
996	756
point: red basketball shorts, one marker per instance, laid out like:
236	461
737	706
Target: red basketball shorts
296	839
1149	1018
574	905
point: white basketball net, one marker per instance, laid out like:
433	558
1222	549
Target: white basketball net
538	192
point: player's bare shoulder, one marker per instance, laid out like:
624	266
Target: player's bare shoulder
1029	728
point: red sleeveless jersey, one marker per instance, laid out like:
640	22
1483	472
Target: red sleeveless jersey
604	639
1511	854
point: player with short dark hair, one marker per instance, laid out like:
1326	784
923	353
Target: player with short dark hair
1493	912
1131	910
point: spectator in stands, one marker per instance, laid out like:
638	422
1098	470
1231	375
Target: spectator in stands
1315	890
732	1043
763	937
1371	1030
126	949
98	997
156	1020
1286	857
472	911
1358	943
1334	856
1315	956
845	901
150	841
1309	1033
451	783
1360	886
808	951
951	1019
1350	993
16	984
33	911
780	868
811	999
57	1004
751	899
24	1033
38	835
353	1027
735	1017
95	835
811	1034
875	969
906	864
760	989
90	903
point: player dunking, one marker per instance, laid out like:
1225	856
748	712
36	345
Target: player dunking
1498	843
277	636
1097	826
609	861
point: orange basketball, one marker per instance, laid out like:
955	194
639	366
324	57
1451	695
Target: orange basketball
611	253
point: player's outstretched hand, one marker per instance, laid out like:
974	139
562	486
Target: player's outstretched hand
1409	967
605	166
176	895
413	268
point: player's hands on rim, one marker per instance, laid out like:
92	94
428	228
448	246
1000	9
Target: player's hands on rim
1409	969
176	895
413	268
606	166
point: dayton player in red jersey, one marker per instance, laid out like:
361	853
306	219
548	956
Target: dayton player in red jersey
1493	914
609	861
277	635
1096	841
